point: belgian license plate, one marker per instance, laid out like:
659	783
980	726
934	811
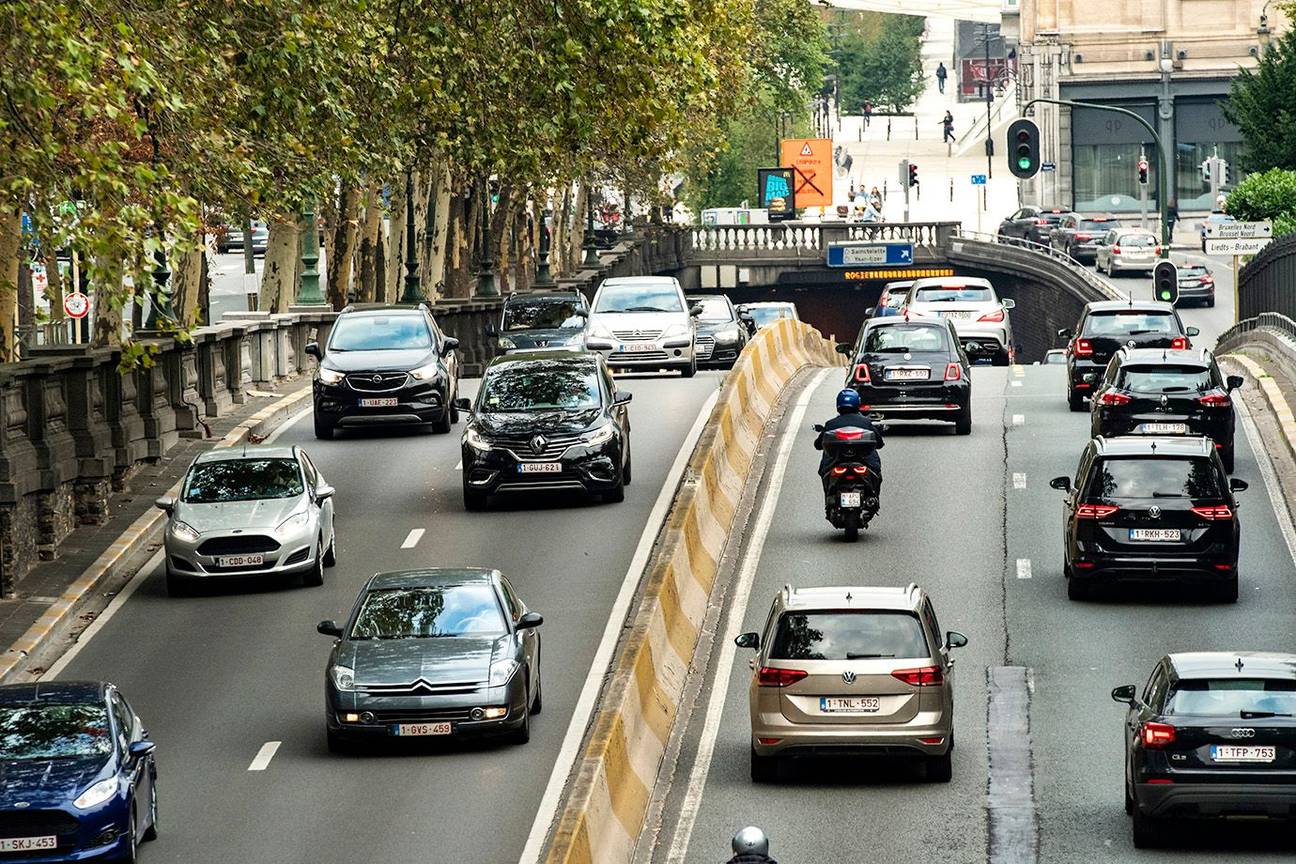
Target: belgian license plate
634	347
1163	428
956	313
908	374
403	729
28	844
851	704
1155	535
1234	753
385	402
539	467
850	499
240	560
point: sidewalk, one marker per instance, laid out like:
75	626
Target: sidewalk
57	597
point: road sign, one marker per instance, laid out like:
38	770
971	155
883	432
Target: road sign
1236	245
978	179
1239	230
869	254
1048	166
812	158
76	305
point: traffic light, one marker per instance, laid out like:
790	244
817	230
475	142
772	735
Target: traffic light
1223	170
913	174
1143	170
1023	148
1165	282
1205	171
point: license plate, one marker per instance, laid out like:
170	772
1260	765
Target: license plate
28	844
634	347
1234	753
851	704
1163	428
1155	535
850	499
386	402
421	729
239	560
908	374
539	467
956	313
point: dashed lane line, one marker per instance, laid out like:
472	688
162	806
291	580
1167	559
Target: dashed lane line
262	759
1014	824
1019	480
412	539
1023	568
1018	419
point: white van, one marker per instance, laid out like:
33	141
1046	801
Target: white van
643	322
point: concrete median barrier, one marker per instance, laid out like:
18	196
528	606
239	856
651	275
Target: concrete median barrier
607	798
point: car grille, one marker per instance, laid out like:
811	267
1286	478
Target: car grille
637	335
420	715
420	688
28	823
704	345
376	382
238	545
637	357
554	447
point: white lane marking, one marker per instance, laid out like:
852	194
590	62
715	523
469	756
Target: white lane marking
1019	480
570	750
411	540
1018	370
1019	419
104	617
692	802
1015	383
262	760
1276	499
1023	568
459	465
1010	796
274	436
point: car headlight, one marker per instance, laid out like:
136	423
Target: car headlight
426	373
476	440
600	331
730	335
501	671
578	339
675	330
506	342
343	677
295	522
184	530
329	376
600	435
96	794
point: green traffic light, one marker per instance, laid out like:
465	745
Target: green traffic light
1024	163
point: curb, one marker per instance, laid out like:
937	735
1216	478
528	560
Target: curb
143	532
1273	396
608	796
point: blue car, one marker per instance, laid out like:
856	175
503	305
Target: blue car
77	774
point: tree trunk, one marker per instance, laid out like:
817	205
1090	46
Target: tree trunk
107	321
10	241
456	270
438	234
279	276
558	233
54	289
342	250
396	243
380	262
576	232
501	224
371	225
185	279
204	289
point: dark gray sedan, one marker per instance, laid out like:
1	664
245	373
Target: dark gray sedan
433	653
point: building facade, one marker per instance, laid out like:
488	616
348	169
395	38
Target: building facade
1171	62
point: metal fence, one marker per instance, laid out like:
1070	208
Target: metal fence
1268	282
1241	331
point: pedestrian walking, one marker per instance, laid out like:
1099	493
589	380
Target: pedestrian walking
947	123
941	72
1172	216
868	112
875	198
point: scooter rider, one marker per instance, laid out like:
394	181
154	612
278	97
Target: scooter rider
848	414
751	846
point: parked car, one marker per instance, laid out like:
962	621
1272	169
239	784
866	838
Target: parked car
542	320
1031	224
1215	218
1078	235
765	313
1124	249
721	331
980	317
1196	284
644	322
229	238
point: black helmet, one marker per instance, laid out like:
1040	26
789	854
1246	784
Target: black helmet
752	840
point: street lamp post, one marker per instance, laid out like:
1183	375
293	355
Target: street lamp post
160	306
591	250
412	294
544	278
309	292
487	284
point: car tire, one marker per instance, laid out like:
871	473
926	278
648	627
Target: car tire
626	469
940	769
1001	358
1146	830
1210	302
454	412
1129	800
963	421
336	743
314	577
330	554
522	734
690	370
177	586
131	855
852	527
151	832
474	499
1075	401
1227	457
442	424
537	701
323	430
764	769
1077	589
1227	591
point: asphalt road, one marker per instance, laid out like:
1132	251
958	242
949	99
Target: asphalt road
216	677
974	521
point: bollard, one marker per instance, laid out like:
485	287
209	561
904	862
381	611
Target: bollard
915	127
888	128
951	189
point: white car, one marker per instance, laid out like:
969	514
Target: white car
980	317
644	322
1124	249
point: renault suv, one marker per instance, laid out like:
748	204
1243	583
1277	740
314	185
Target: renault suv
852	671
644	322
979	316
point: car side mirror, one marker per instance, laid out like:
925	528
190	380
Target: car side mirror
1237	484
463	404
529	621
955	639
622	398
581	313
449	345
329	628
748	640
165	503
695	310
1125	693
818	427
1009	303
140	749
313	350
323	492
1193	331
868	313
1062	483
845	348
1064	333
1233	382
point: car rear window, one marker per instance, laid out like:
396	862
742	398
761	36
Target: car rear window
1154	477
902	338
764	315
54	731
953	294
1136	240
1098	224
848	635
896	297
242	480
379	333
1132	323
1192	270
1229	697
1164	379
715	309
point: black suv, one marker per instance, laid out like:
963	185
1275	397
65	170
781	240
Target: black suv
1107	325
1078	235
1150	508
1150	391
546	420
1032	224
722	331
912	370
385	364
549	319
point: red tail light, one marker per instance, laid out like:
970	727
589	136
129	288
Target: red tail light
997	315
1208	279
848	434
839	470
768	676
1095	511
1217	512
1180	343
1116	250
953	372
1041	221
1215	400
1111	398
1158	735
1080	236
1158	250
862	373
1083	348
926	676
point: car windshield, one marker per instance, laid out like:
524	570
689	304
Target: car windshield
953	294
652	297
242	480
1165	379
848	635
1230	697
421	613
1139	240
542	315
1097	224
769	314
541	386
379	333
1154	477
905	338
1116	324
714	309
54	731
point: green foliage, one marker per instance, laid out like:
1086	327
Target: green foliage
880	61
1269	195
1262	103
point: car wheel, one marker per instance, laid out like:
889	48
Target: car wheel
1210	302
1227	591
177	586
1002	359
1077	589
441	425
314	577
852	527
330	554
454	412
764	769
1129	800
963	422
1147	830
474	499
537	701
1226	456
336	743
625	470
131	855
690	370
323	430
151	832
1075	401
522	734
940	769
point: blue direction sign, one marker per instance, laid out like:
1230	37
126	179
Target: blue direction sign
978	179
869	254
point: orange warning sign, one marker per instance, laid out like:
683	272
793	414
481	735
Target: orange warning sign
812	159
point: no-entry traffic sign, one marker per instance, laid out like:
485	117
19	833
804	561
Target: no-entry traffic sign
76	305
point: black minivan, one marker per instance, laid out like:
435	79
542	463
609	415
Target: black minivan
1151	508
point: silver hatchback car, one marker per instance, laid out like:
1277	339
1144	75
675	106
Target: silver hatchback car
852	670
250	511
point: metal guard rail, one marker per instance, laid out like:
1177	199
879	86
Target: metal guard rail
1093	279
1276	321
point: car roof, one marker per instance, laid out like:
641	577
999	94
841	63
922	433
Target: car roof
1098	217
1128	306
906	599
896	320
576	357
556	296
432	577
708	297
1223	664
1153	445
1178	357
237	454
904	283
952	282
616	281
1126	230
383	309
58	692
